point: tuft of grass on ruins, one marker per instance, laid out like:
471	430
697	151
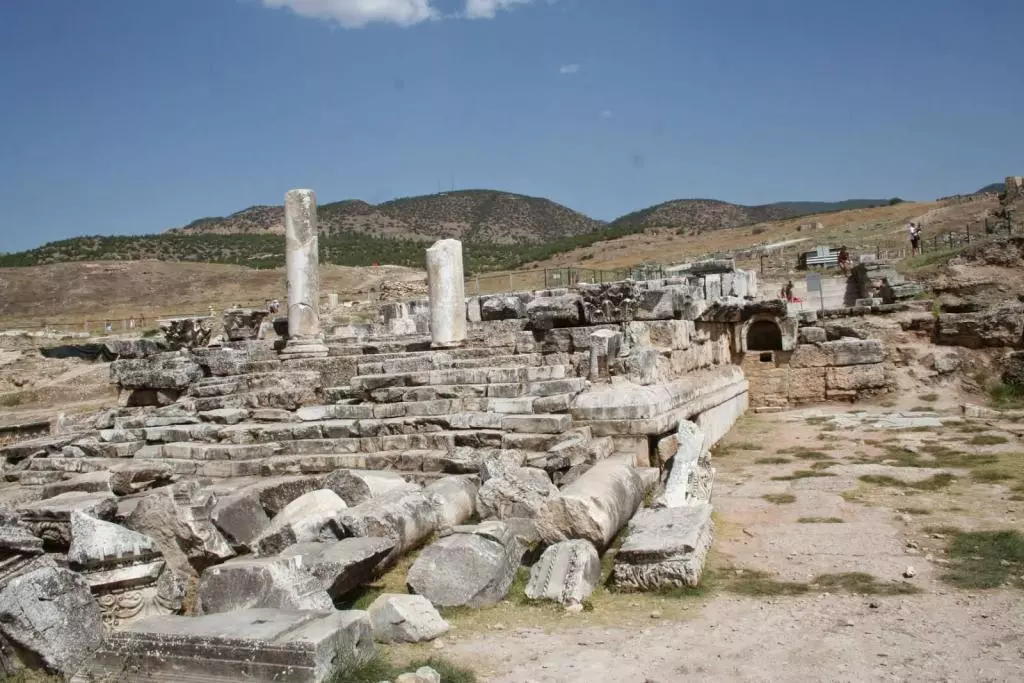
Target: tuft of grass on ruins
987	440
772	461
779	498
914	511
802	474
986	559
381	668
821	520
933	483
1006	396
928	398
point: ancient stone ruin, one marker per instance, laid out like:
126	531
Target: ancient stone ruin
207	529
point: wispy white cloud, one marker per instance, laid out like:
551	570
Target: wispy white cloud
487	9
569	69
606	114
359	13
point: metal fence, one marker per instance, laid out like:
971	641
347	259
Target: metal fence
556	278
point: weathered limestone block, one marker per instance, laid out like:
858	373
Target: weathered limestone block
660	303
473	567
716	421
850	352
447	294
994	327
453	499
177	517
310	517
140	475
260	582
251	645
276	493
240	518
515	492
812	335
358	486
855	377
502	307
164	371
122	568
595	506
665	547
243	323
340	567
20	549
398	618
567	573
50	616
645	366
142	347
548	312
405	517
50	519
90	482
222	361
807	385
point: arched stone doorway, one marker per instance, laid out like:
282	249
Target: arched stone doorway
764	335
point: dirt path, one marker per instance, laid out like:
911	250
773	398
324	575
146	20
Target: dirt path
868	632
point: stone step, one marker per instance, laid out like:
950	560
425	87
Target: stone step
476	376
541	388
440	361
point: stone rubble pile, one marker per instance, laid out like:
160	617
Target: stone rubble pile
209	528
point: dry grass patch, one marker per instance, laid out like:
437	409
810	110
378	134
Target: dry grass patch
987	440
382	668
762	584
914	511
802	474
934	483
772	461
821	520
780	498
986	559
928	398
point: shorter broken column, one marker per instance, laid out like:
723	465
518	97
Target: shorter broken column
302	262
567	573
447	294
595	506
682	483
604	348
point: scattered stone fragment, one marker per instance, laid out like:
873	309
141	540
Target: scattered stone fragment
909	573
406	517
515	492
177	517
453	499
310	517
241	518
50	615
340	567
358	486
271	582
474	566
398	618
567	573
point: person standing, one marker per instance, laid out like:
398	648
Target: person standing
915	239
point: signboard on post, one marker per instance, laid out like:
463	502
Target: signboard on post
814	285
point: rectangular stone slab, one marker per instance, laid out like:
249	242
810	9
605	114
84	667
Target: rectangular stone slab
252	645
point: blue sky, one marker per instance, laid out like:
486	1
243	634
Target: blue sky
133	116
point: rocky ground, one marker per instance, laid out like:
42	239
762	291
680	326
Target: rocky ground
817	573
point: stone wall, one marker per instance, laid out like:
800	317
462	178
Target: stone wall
843	370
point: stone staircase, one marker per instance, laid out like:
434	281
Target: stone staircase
423	413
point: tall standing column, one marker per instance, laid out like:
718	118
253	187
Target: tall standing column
447	294
302	263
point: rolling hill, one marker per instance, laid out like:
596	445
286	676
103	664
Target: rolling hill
694	216
480	216
500	231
